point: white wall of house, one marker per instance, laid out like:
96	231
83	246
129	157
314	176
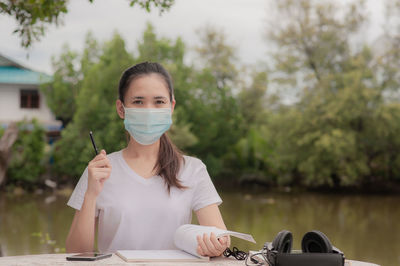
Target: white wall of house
10	106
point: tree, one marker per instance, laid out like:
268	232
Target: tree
388	58
341	130
217	55
69	70
247	159
95	111
62	90
253	100
312	42
211	107
33	16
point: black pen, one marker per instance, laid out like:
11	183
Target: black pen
94	144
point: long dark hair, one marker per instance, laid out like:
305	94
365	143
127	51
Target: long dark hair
170	157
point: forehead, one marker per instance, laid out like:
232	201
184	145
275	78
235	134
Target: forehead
148	85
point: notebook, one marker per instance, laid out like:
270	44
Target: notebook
158	255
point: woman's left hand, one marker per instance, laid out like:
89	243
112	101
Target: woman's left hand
211	246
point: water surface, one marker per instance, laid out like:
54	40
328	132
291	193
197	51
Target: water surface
364	227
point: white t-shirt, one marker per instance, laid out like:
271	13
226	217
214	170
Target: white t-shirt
138	213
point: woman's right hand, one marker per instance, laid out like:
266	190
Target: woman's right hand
99	170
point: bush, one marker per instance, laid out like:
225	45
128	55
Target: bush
27	155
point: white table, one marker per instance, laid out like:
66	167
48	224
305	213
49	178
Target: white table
59	259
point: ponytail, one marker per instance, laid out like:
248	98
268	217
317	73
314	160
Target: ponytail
169	163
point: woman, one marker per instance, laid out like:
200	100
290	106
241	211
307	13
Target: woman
139	196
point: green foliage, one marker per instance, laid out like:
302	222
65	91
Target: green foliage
180	132
27	165
34	15
62	90
212	112
253	99
95	109
210	104
340	131
248	158
218	56
70	69
314	39
162	5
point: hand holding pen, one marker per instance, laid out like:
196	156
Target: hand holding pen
99	170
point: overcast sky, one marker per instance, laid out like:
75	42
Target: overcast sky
243	21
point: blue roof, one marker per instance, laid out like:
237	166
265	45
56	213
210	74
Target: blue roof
16	75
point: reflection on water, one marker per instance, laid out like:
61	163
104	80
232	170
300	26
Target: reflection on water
26	221
363	227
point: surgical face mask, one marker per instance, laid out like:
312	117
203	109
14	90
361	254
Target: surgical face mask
146	125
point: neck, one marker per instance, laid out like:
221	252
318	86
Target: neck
136	150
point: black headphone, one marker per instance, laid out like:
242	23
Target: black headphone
312	242
278	252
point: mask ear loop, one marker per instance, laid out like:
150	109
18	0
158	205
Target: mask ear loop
123	106
128	136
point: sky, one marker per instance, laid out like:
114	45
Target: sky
243	21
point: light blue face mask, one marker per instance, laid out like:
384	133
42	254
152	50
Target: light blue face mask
146	125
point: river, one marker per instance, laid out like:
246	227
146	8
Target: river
364	227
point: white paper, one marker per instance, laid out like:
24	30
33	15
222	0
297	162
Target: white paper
238	235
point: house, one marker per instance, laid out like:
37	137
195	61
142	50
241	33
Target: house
21	98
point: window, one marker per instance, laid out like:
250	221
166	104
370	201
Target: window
29	98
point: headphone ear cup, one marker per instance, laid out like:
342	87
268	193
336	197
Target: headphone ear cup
283	242
316	241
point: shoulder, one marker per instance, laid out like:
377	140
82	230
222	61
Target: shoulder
192	163
115	156
192	169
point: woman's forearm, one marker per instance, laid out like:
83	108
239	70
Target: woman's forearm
82	233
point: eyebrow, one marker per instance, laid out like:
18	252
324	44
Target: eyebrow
142	97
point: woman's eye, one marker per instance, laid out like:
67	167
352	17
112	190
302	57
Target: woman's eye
160	102
137	102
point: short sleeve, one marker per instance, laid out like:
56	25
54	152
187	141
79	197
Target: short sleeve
204	192
78	195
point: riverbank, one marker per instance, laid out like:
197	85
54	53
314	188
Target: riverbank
249	186
261	186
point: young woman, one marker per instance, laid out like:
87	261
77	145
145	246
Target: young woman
139	196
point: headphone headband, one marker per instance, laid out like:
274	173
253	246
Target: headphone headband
312	242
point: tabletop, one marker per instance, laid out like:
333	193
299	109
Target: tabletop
60	259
